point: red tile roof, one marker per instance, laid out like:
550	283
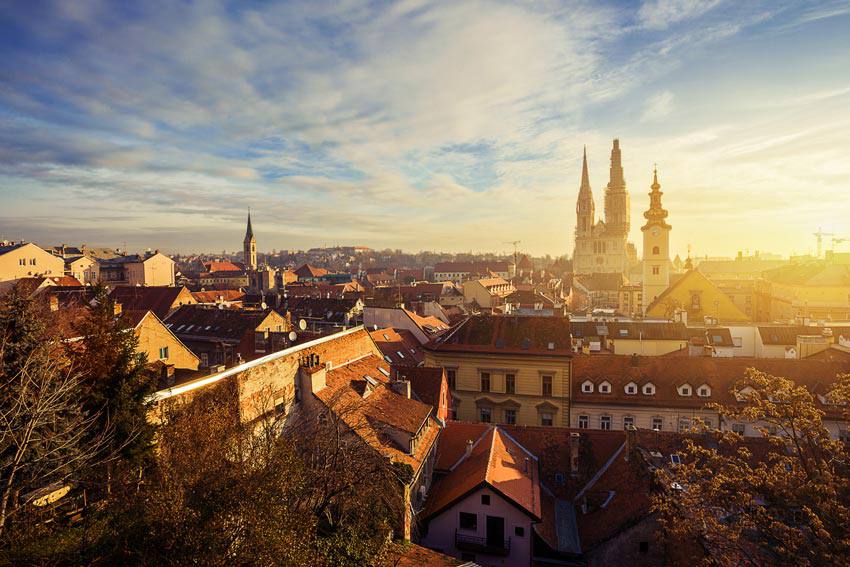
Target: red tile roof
159	299
426	383
308	271
667	373
392	342
214	266
228	295
496	460
515	334
367	416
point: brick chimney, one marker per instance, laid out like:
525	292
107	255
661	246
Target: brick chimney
312	375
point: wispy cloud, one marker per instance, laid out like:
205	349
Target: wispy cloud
335	120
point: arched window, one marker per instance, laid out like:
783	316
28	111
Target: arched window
656	250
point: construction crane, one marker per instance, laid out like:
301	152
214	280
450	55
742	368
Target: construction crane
819	235
515	243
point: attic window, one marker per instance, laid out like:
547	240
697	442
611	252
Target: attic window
587	387
649	389
631	388
400	354
684	390
388	359
704	391
624	332
386	337
605	388
675	459
384	371
551	346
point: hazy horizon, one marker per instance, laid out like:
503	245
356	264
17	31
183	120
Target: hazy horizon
451	126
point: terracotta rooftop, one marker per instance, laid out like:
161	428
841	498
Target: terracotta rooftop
514	334
666	374
425	382
218	295
159	299
369	415
203	321
308	271
398	346
497	460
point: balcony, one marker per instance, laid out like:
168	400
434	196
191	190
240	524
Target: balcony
482	544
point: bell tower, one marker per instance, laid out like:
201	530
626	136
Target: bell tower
656	246
617	215
249	247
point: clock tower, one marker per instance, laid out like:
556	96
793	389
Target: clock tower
656	247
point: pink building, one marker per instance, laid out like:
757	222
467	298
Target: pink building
486	508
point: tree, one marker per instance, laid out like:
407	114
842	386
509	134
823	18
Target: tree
783	499
45	435
117	388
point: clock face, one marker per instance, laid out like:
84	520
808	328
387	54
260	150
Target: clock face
656	232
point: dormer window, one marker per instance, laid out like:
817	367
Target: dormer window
587	387
649	389
685	390
605	388
704	391
631	388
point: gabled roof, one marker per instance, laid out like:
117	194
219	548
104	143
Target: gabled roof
159	299
602	281
369	415
498	461
725	304
308	271
515	334
10	247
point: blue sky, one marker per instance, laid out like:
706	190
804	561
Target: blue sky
451	126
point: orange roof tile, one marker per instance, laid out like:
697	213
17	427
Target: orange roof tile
497	460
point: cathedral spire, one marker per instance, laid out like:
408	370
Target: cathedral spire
249	234
585	178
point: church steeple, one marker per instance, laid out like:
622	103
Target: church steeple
249	247
617	213
585	208
656	214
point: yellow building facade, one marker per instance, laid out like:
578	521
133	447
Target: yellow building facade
698	297
508	388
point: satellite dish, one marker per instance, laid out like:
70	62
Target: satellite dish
302	324
375	327
263	305
292	336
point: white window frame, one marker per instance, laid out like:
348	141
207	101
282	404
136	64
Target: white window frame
587	387
648	389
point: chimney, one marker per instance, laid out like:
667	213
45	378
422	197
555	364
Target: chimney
117	309
631	441
312	375
54	303
575	440
469	444
401	387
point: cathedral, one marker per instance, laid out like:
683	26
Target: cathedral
603	246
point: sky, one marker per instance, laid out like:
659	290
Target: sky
452	126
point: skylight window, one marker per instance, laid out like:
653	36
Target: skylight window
384	371
675	459
400	354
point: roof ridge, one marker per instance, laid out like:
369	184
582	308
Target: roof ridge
465	455
600	472
490	455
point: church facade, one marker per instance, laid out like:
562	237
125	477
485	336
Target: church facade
602	246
